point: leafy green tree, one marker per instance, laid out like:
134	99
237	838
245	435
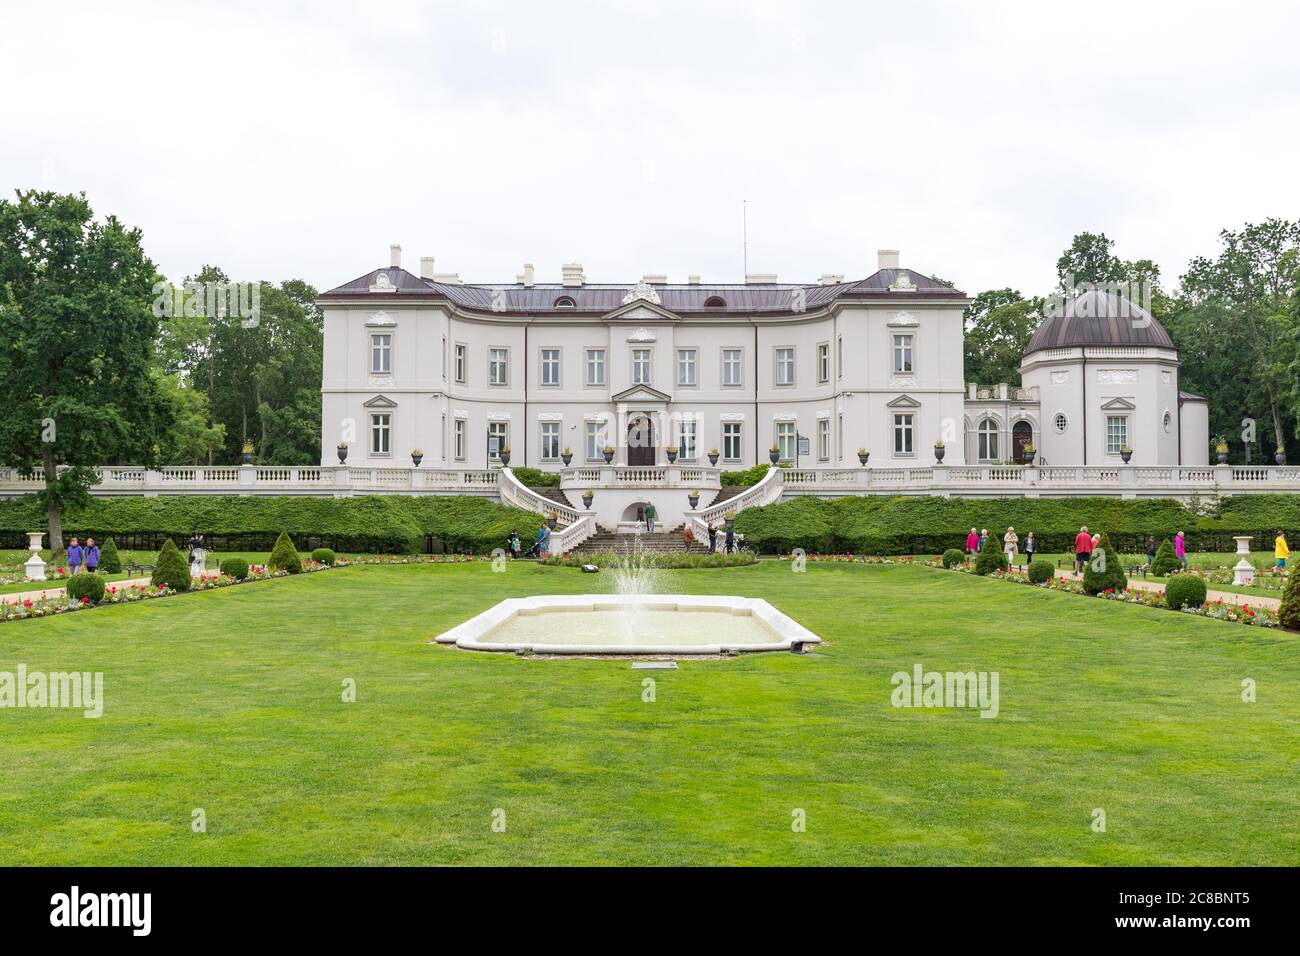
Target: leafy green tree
170	568
990	558
1166	561
77	334
110	561
284	555
1089	260
999	324
190	437
1104	571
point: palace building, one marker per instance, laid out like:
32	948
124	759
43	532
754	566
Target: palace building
459	371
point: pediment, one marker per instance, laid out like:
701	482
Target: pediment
639	310
903	401
641	393
1118	405
379	401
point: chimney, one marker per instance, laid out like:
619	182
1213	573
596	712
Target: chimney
693	279
830	278
887	258
572	274
655	278
760	278
525	278
426	267
395	256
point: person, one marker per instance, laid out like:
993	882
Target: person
1280	550
650	518
194	544
729	542
543	542
688	536
973	543
1180	549
1031	548
1082	550
1151	550
713	537
1011	545
90	555
514	543
984	536
75	556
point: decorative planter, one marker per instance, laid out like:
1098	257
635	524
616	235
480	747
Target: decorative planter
713	458
1280	458
1243	572
694	499
586	499
1126	455
566	458
672	455
939	451
862	457
505	457
248	456
416	459
550	523
775	456
609	456
1222	456
343	454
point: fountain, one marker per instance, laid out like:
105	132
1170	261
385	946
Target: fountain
1243	572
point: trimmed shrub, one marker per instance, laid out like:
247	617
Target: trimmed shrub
323	556
536	478
86	585
990	558
1105	571
110	562
1041	571
1165	562
236	568
170	568
780	528
1184	590
1288	614
284	555
953	558
744	479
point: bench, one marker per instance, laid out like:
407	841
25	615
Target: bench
1130	570
134	569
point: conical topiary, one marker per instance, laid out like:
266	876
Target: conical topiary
284	555
990	558
1105	571
110	562
1289	612
171	569
1165	562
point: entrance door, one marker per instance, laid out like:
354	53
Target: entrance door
1022	434
640	441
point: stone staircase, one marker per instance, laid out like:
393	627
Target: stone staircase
726	493
554	494
660	542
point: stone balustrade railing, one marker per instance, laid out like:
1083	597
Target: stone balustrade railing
691	477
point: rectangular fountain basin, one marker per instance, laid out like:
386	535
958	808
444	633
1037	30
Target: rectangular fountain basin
629	624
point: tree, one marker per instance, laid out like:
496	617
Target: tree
999	324
170	568
1104	571
284	555
77	334
1166	561
1089	260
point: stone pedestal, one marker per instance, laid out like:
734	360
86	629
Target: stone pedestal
34	567
1243	572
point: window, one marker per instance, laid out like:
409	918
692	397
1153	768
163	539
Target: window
1061	422
1116	433
824	436
381	429
595	366
686	440
462	363
381	353
550	441
564	302
640	366
498	430
595	441
550	367
686	366
785	440
731	441
458	439
498	366
839	357
1168	421
785	366
988	440
444	357
824	362
715	302
902	353
731	367
903	433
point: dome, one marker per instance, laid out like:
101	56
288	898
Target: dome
1097	317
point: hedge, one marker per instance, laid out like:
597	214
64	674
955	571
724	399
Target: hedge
744	479
365	523
1184	590
922	524
86	585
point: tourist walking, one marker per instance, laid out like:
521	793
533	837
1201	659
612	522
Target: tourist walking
514	543
973	543
1011	545
543	541
75	556
713	537
1180	549
1151	550
729	542
984	537
1082	550
90	555
1031	548
688	536
650	518
1280	550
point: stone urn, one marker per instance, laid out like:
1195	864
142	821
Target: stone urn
504	455
248	452
416	458
713	458
1222	455
1243	572
671	452
1127	456
34	568
609	455
694	499
1280	457
939	452
774	455
862	458
342	453
587	497
566	457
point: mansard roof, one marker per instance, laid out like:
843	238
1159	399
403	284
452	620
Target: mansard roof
602	298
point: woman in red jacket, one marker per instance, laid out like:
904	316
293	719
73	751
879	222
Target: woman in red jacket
1082	550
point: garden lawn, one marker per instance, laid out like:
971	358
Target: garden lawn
230	701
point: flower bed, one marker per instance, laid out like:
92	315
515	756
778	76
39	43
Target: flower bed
613	559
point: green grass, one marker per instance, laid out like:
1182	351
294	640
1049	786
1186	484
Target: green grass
229	701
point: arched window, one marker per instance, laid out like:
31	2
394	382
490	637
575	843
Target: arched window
715	302
564	302
988	440
1061	422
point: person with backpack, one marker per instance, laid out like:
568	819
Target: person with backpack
75	556
90	555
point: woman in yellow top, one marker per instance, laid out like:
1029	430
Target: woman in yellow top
1280	550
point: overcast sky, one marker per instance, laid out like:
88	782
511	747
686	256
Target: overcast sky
280	140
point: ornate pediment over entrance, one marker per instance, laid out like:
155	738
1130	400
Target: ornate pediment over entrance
641	393
642	290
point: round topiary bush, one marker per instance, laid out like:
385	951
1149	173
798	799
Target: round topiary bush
1288	614
953	558
86	585
236	568
323	556
1041	571
1165	561
284	555
1184	590
1105	572
990	558
171	569
110	562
